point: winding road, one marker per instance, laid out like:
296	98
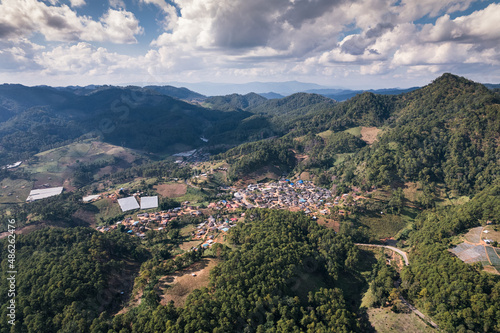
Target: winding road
395	249
407	262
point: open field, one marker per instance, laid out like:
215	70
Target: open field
369	134
384	320
329	223
176	287
339	158
356	131
107	208
14	190
56	166
326	134
171	190
490	233
383	226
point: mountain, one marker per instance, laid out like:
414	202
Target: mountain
40	118
180	93
234	102
296	104
345	94
271	95
447	132
218	89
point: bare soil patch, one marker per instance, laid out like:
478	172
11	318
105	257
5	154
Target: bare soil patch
329	223
369	134
178	286
171	190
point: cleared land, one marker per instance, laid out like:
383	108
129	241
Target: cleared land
474	250
369	134
55	167
384	320
178	286
14	190
474	235
172	190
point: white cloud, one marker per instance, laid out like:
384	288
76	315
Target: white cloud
117	4
77	3
478	27
61	23
210	39
83	59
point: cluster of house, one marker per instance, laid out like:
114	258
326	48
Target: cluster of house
207	230
285	194
152	221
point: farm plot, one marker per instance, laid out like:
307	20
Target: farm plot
470	253
172	190
474	235
494	259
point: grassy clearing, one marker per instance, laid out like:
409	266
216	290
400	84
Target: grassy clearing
340	158
412	191
384	320
383	226
178	286
193	195
356	131
326	134
107	209
14	190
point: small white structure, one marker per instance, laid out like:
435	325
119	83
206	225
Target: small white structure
128	203
91	198
149	202
44	193
12	166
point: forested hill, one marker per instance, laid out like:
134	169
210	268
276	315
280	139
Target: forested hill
448	131
33	119
235	102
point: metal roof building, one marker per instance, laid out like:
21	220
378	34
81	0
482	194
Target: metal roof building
149	202
90	198
128	203
44	193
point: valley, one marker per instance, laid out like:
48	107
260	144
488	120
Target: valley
242	213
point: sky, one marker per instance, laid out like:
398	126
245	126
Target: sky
358	44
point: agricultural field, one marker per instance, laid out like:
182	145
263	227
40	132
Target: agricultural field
171	190
14	190
473	249
55	167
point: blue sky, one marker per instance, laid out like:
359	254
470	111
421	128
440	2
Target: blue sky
352	44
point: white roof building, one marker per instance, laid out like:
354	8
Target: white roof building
128	203
44	193
90	198
149	202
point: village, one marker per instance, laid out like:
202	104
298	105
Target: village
220	216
